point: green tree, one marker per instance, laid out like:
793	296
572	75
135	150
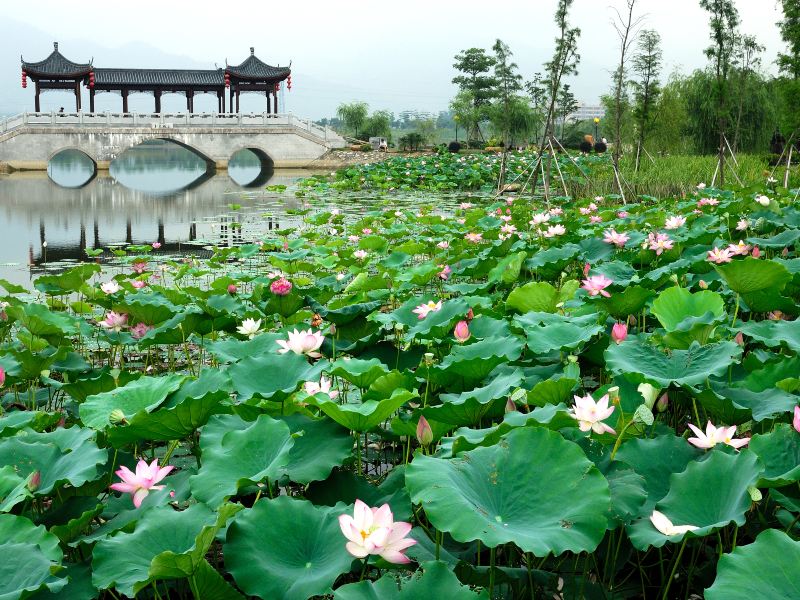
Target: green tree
670	125
353	115
566	104
747	51
647	67
465	113
509	82
378	124
724	21
625	26
789	62
475	66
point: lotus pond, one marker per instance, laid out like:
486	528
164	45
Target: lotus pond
512	398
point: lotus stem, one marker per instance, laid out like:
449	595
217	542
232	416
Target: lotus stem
665	595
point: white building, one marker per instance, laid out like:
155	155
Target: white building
587	112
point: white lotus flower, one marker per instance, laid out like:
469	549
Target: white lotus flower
302	342
110	287
661	522
249	327
324	387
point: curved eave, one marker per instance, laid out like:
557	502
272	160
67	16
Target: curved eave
273	78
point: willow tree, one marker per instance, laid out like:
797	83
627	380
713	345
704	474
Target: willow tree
353	115
789	64
646	86
747	51
724	21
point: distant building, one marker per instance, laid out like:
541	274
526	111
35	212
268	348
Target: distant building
587	112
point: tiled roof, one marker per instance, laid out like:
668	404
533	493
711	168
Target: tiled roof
254	68
176	77
56	64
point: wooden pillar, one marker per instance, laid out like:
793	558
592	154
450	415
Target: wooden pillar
128	232
230	101
222	101
190	100
157	97
237	99
91	100
96	231
36	105
77	96
125	100
275	95
161	239
269	106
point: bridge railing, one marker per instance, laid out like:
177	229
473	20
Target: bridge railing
165	120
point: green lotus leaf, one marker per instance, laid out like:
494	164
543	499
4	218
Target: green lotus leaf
75	583
13	488
773	333
235	350
471	363
761	404
168	544
209	583
29	554
540	296
683	367
551	391
148	308
688	316
436	581
345	313
722	408
385	385
175	330
440	323
69	281
347	487
627	302
143	394
785	238
361	373
468	408
96	382
779	450
767	568
74	518
367	415
758	281
43	322
184	411
286	548
485	494
64	455
236	453
621	273
628	493
709	494
508	268
319	446
551	332
271	376
550	262
12	422
656	459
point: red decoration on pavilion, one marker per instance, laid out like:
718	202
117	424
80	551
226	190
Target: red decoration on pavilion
24	79
289	83
277	87
227	79
91	79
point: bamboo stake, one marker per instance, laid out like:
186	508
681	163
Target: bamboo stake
560	174
788	166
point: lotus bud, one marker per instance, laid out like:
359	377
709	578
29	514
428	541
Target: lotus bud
796	419
35	481
511	406
470	315
2	376
333	329
428	358
674	278
613	395
619	332
649	393
232	289
586	268
631	320
663	403
117	417
756	253
739	339
281	287
785	252
461	332
702	284
424	432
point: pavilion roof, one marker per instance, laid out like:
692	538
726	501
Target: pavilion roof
159	77
256	69
56	65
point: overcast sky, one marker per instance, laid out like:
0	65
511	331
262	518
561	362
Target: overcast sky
395	55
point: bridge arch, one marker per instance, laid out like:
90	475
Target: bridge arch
74	169
210	163
251	177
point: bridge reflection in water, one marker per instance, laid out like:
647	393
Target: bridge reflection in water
43	225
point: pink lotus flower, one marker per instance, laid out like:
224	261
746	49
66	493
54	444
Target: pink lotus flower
555	211
719	256
114	321
474	237
539	218
795	421
156	245
508	229
323	387
424	432
756	253
366	231
444	274
585	210
586	268
281	287
661	522
138	284
360	254
714	436
623	214
423	310
595	219
741	248
742	224
2	377
619	332
139	266
465	205
374	531
232	289
443	245
618	239
353	238
597	284
302	342
110	287
675	222
659	242
139	330
590	414
554	231
139	484
461	331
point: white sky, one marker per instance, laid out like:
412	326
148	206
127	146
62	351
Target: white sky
396	55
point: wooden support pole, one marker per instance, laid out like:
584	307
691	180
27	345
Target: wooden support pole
91	100
190	101
275	95
36	104
237	99
269	105
125	100
157	98
230	100
788	167
77	96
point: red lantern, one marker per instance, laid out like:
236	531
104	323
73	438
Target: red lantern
227	79
277	87
289	83
24	79
91	79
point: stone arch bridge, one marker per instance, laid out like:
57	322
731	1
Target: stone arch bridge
28	141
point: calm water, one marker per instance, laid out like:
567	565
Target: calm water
154	192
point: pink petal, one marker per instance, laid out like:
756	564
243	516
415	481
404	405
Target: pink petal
356	550
139	496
